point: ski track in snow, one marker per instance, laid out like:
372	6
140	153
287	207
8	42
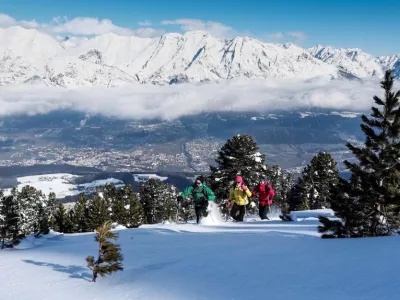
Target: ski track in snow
250	260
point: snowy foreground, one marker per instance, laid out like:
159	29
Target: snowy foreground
252	260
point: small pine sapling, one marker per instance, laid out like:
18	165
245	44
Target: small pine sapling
109	257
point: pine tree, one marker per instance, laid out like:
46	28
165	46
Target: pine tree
62	220
118	208
16	231
8	218
239	156
52	203
282	183
134	212
30	201
46	209
317	181
98	212
170	205
369	202
109	256
287	185
186	210
110	194
294	196
81	214
158	201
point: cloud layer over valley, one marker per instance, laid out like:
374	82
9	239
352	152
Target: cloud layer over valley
138	101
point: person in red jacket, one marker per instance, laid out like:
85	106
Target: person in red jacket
265	194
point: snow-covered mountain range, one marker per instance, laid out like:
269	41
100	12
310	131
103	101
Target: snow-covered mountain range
31	56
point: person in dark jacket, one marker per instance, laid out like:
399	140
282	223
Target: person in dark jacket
265	193
201	194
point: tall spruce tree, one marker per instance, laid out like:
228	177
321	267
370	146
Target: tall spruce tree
98	212
46	209
281	183
134	212
110	194
294	196
317	182
239	156
369	202
186	210
62	220
158	200
8	219
16	231
118	208
30	202
287	185
81	214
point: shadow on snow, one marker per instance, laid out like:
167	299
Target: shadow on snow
76	272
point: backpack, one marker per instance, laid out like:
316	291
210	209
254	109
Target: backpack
195	187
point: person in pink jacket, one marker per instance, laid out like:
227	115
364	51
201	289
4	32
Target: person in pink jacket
265	193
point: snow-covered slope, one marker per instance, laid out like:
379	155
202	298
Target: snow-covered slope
391	63
28	55
35	47
251	260
352	61
62	184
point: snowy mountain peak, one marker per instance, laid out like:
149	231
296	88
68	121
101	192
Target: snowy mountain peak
391	63
353	60
27	55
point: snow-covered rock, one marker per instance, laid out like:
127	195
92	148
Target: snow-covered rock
351	61
391	63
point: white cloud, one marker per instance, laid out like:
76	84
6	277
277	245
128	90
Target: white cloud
148	32
297	34
145	23
169	102
214	28
6	21
277	35
93	26
80	26
87	26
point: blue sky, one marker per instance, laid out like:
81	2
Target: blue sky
373	26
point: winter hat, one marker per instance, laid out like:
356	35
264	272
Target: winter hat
200	178
239	179
264	178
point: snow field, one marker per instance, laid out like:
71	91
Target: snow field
249	260
61	184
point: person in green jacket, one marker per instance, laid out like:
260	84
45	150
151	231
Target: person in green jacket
201	194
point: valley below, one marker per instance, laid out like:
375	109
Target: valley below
81	144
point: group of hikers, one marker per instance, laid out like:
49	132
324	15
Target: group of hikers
238	197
